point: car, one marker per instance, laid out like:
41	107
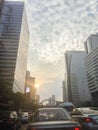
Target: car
9	120
31	115
24	117
69	106
53	119
87	117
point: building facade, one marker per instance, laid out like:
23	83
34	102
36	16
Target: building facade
64	91
37	99
14	44
30	84
76	80
1	5
91	61
91	43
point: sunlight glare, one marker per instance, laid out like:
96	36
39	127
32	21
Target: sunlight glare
27	89
36	85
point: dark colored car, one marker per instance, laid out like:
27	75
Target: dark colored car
9	120
87	117
53	119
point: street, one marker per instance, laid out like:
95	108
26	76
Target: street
24	126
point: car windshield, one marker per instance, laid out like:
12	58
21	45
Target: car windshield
51	114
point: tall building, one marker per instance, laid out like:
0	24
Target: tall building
1	4
64	91
76	80
14	40
37	98
91	43
53	101
30	84
91	61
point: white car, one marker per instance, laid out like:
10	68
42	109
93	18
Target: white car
25	117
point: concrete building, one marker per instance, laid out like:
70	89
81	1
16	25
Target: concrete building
91	43
30	84
1	5
53	101
91	61
64	91
37	98
76	80
14	44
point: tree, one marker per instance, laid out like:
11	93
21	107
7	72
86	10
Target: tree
6	92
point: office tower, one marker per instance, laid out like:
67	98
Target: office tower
30	84
53	101
91	61
37	99
64	91
14	40
1	4
91	43
76	80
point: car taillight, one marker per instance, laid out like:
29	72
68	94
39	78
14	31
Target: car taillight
10	120
76	128
87	119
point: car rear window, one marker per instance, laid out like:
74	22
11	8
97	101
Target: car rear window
51	114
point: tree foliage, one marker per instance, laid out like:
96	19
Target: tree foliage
18	100
6	92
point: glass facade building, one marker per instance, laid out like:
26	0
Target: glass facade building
76	79
91	61
14	44
30	84
91	43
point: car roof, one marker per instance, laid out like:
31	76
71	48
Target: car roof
88	110
49	108
7	111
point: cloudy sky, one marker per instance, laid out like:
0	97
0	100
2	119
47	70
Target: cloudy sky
55	27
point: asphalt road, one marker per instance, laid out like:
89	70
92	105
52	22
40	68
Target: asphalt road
24	126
